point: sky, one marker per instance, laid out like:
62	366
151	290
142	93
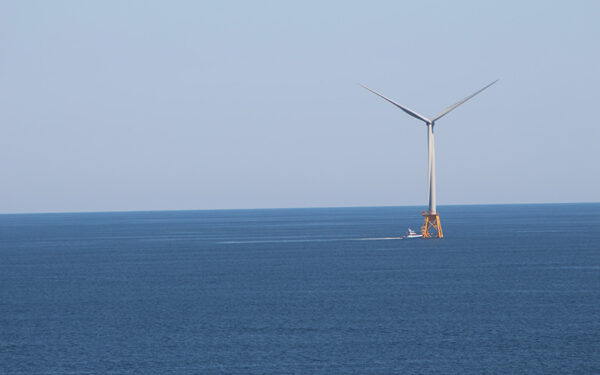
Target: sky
182	105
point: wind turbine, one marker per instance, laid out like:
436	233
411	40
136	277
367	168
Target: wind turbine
432	218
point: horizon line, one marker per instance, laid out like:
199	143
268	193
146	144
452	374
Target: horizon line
285	208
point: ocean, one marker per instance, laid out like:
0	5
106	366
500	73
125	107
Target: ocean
511	289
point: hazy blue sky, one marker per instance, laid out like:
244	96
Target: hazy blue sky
142	105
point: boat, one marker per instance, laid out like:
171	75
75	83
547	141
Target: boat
412	234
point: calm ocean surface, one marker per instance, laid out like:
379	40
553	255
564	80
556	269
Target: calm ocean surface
512	289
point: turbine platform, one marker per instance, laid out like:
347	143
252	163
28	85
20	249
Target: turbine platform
432	227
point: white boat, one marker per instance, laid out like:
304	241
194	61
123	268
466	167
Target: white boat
412	234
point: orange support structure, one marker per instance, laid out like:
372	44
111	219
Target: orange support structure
432	227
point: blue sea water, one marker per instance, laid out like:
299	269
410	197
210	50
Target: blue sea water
512	289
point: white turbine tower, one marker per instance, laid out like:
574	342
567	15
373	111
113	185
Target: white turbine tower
432	218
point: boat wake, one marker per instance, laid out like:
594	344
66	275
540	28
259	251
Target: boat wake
283	240
378	238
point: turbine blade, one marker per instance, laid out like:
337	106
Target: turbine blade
407	110
445	111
